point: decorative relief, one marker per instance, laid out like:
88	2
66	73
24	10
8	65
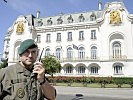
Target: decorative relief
20	28
115	17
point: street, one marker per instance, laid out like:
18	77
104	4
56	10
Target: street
84	93
72	97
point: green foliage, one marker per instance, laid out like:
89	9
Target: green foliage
99	80
119	80
123	80
1	65
51	65
4	63
102	82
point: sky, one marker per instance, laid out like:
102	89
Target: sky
14	8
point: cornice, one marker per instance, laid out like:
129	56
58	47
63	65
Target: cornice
55	28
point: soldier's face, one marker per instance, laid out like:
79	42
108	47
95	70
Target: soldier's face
29	56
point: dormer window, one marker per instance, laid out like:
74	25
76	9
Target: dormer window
70	19
49	21
59	20
40	23
93	17
81	18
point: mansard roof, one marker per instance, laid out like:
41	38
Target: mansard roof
65	18
87	16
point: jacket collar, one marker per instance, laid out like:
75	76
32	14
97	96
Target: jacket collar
22	69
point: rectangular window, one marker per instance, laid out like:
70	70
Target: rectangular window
81	35
8	41
69	36
93	34
48	38
38	38
58	37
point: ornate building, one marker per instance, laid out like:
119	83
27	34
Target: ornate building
94	43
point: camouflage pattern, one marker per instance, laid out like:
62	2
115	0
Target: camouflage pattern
17	83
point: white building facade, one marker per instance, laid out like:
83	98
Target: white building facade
95	43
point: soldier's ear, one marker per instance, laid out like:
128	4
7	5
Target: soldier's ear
20	55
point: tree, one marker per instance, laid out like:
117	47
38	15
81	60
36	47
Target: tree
4	63
1	65
51	65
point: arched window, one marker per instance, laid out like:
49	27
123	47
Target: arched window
81	69
58	53
69	69
47	52
116	50
117	69
94	70
81	53
69	53
93	52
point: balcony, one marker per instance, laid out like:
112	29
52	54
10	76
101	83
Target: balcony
117	58
86	59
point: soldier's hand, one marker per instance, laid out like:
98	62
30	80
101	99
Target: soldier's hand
39	69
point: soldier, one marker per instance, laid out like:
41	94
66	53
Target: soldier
26	80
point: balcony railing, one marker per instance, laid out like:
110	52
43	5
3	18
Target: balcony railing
77	59
118	57
92	59
86	59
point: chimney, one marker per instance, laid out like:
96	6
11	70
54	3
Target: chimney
38	14
99	5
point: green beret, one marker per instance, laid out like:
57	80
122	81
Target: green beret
26	44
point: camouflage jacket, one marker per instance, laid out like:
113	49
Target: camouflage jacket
17	83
